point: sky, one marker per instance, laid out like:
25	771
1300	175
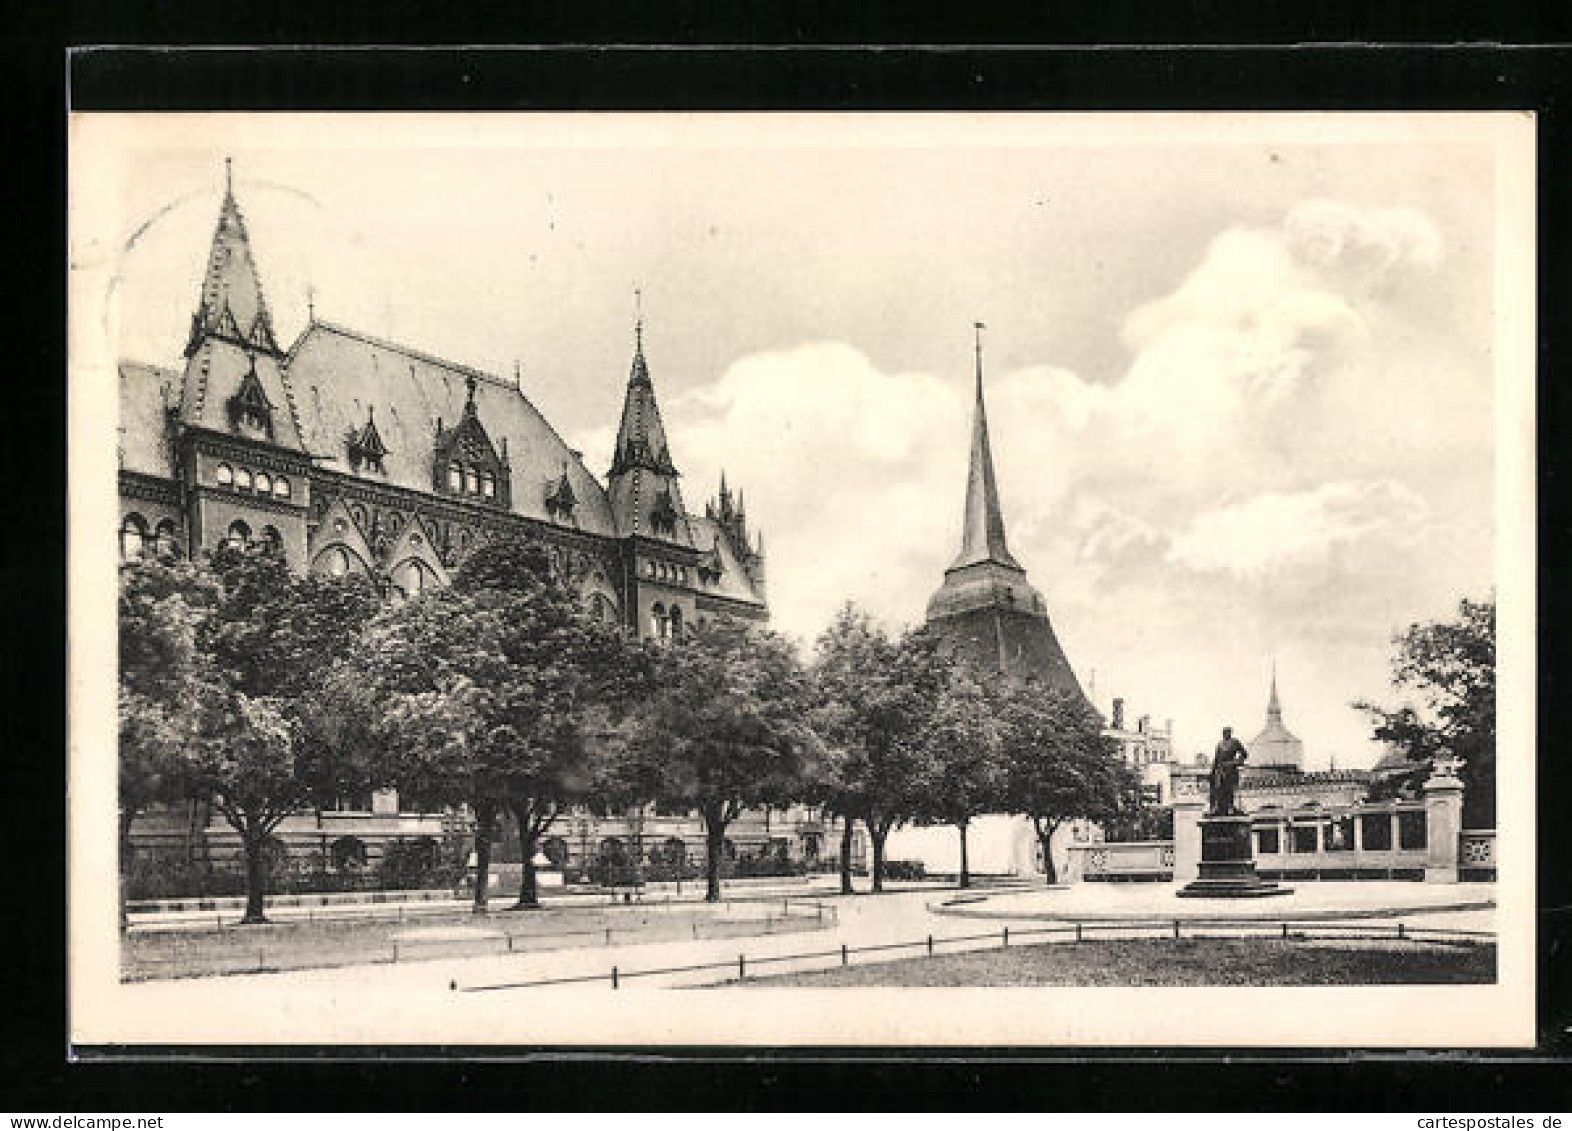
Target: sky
1239	371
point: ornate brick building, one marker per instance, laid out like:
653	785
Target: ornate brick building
353	454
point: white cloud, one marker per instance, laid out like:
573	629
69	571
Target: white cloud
1288	531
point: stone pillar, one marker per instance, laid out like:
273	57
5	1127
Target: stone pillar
1443	792
1188	788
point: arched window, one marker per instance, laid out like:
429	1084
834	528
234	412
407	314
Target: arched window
336	562
225	475
649	569
472	481
164	538
271	541
413	577
455	477
264	483
658	621
133	537
281	489
556	850
239	535
675	623
604	610
488	485
349	854
242	479
612	851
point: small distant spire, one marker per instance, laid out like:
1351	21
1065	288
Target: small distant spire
469	388
1274	709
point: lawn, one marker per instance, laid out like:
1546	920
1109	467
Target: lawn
1166	962
296	945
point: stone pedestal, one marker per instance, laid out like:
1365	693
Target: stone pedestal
1228	863
1443	793
1187	791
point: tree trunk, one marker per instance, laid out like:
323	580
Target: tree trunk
877	837
484	818
255	847
529	839
847	829
714	839
1050	873
966	875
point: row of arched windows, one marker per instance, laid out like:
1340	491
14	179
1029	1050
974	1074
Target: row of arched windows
243	479
660	571
240	537
467	480
136	539
665	624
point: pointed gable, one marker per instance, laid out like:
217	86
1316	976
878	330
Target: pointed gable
645	496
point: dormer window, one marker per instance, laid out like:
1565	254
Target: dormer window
663	515
472	481
560	499
249	408
465	462
365	447
488	485
455	478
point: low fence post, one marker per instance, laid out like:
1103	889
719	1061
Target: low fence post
742	968
395	950
930	946
1078	932
608	936
1007	937
1400	930
844	954
1176	929
613	977
1285	930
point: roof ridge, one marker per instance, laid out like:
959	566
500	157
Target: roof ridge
409	351
459	367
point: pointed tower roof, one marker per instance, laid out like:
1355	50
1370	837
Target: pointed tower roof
982	525
231	302
986	611
642	482
1276	745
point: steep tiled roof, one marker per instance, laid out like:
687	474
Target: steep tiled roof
145	392
338	375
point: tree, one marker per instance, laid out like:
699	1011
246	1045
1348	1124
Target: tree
574	677
877	700
268	743
161	605
962	776
495	695
725	731
1446	671
1057	766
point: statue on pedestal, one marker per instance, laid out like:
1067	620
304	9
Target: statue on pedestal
1226	760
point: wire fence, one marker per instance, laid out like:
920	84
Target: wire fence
228	952
1059	933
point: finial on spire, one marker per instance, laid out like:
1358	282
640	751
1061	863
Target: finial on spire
469	388
229	176
977	329
638	318
311	303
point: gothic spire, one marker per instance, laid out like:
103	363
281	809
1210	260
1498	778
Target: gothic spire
231	303
982	527
1274	709
642	472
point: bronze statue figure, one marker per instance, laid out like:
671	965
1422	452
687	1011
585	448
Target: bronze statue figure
1227	759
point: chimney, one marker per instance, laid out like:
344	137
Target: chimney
1142	723
1118	714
